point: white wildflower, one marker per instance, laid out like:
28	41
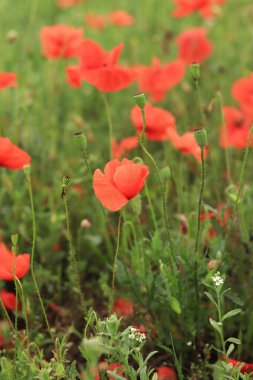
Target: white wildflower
217	279
136	335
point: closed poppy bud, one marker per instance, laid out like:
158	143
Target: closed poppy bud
81	140
14	239
195	71
140	100
166	173
27	170
201	137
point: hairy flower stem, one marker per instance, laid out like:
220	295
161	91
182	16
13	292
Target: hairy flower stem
200	199
141	141
28	178
111	301
227	160
109	120
73	253
152	212
199	103
231	222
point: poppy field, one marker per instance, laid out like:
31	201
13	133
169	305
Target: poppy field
126	231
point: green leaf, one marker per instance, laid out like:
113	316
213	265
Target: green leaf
211	298
175	305
231	314
215	325
115	376
230	349
233	340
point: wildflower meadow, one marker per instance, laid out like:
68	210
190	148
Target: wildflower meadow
126	230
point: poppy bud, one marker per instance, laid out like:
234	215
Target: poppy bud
166	173
195	71
140	100
14	239
27	170
81	140
201	137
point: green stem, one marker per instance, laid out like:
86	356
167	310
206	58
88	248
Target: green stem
23	305
33	251
152	211
141	141
221	325
109	120
227	160
73	257
231	223
115	264
199	103
200	199
5	312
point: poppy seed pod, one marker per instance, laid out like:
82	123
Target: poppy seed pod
201	137
81	140
195	71
140	100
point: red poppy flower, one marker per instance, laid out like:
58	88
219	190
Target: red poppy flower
68	3
9	300
246	368
7	80
11	156
166	373
121	18
120	182
125	145
158	79
95	21
100	69
204	7
158	122
119	369
60	41
236	130
12	264
186	144
194	46
123	307
242	92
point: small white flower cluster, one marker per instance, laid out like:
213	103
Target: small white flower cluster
217	279
136	335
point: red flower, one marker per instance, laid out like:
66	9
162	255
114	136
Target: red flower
246	368
123	307
100	69
194	46
236	130
204	7
60	41
121	18
119	369
120	182
12	157
186	143
9	300
7	80
95	21
158	79
68	3
125	145
166	373
242	92
12	264
158	122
